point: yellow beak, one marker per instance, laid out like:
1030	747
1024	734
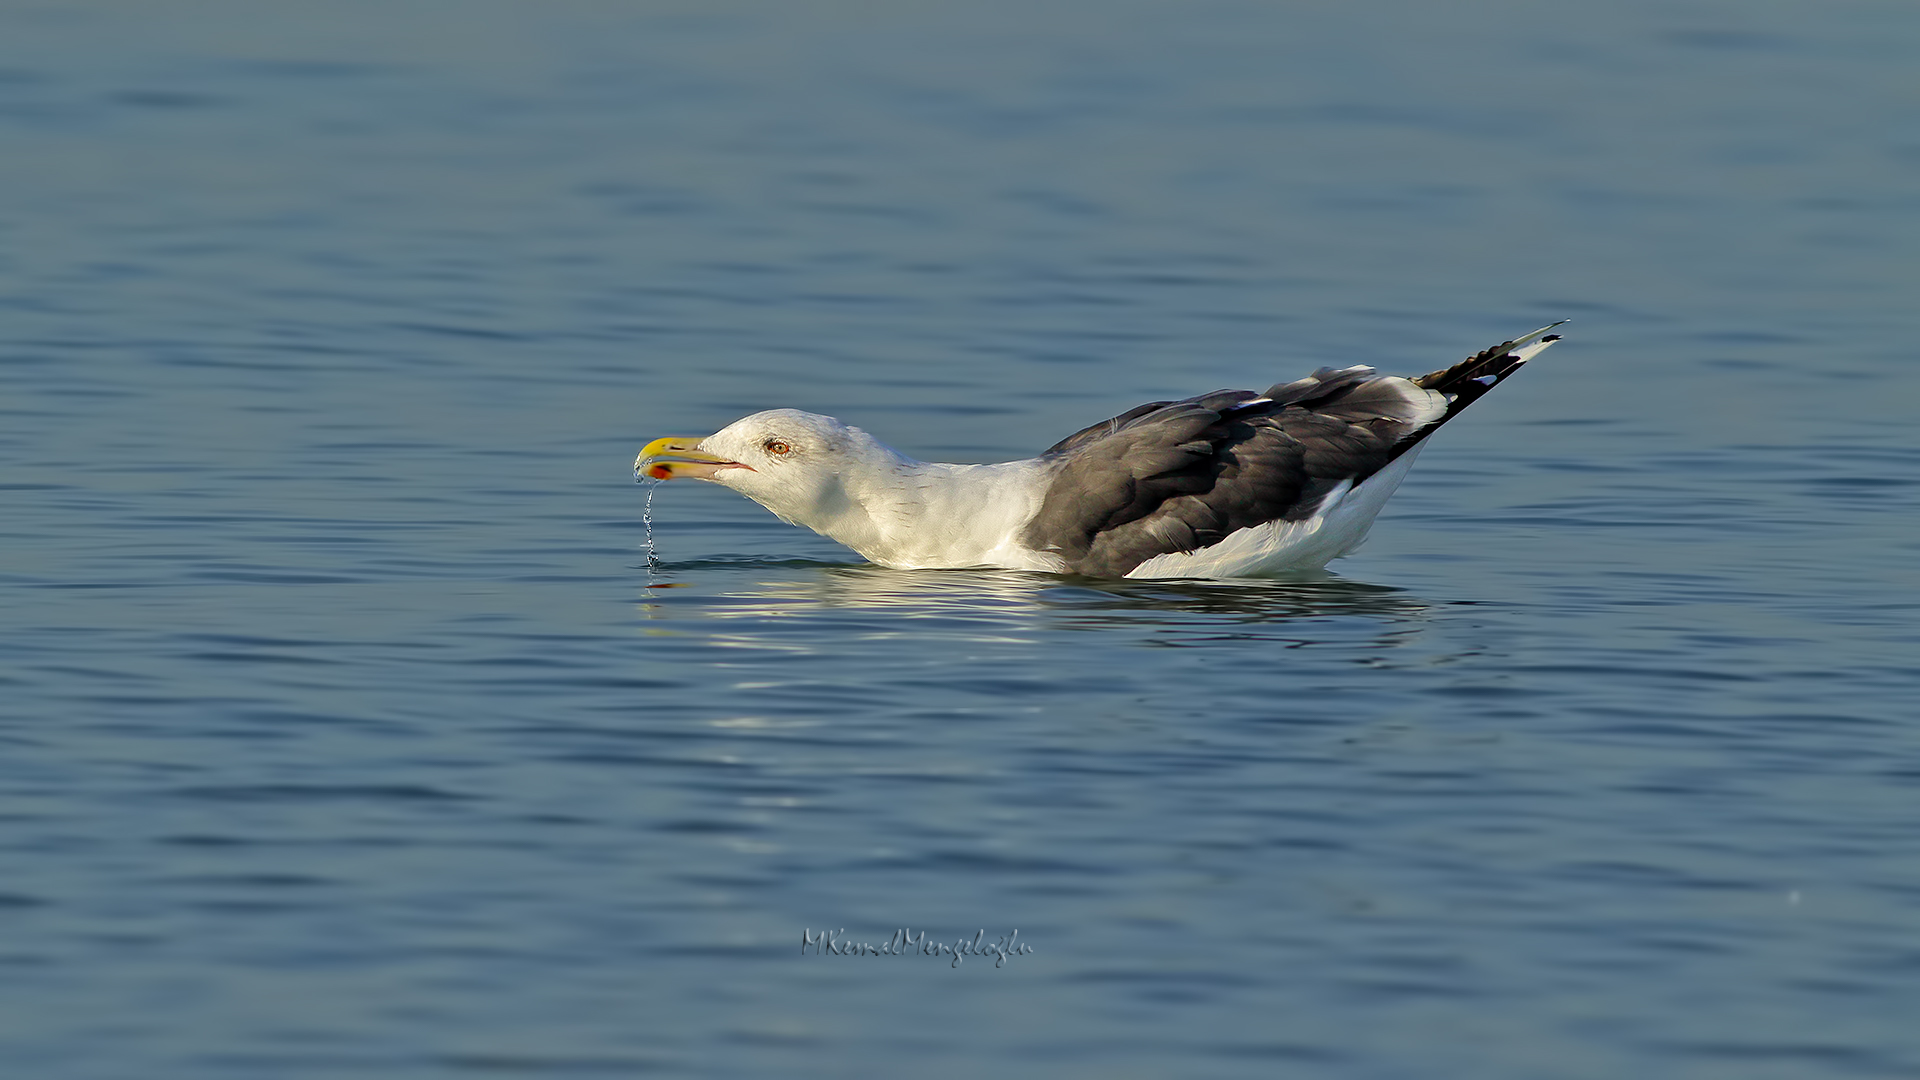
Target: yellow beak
678	456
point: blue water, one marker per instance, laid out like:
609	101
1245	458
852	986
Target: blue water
346	731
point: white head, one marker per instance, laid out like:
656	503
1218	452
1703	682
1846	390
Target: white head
810	470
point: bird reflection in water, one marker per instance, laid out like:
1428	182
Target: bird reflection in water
1024	601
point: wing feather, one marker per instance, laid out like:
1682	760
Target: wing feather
1175	476
1182	475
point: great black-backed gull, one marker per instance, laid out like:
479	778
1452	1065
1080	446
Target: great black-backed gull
1227	484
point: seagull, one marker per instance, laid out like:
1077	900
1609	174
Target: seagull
1224	485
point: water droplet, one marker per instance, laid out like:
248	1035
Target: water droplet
646	519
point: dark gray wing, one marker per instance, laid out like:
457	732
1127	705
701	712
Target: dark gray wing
1181	475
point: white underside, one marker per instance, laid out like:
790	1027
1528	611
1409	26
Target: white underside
1280	547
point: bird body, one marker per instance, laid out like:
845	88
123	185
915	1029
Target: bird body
1227	484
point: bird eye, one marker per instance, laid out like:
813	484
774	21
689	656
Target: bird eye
775	446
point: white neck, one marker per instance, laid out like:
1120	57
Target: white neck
916	515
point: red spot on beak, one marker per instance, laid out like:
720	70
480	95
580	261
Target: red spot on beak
659	472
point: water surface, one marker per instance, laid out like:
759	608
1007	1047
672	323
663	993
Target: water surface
345	730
